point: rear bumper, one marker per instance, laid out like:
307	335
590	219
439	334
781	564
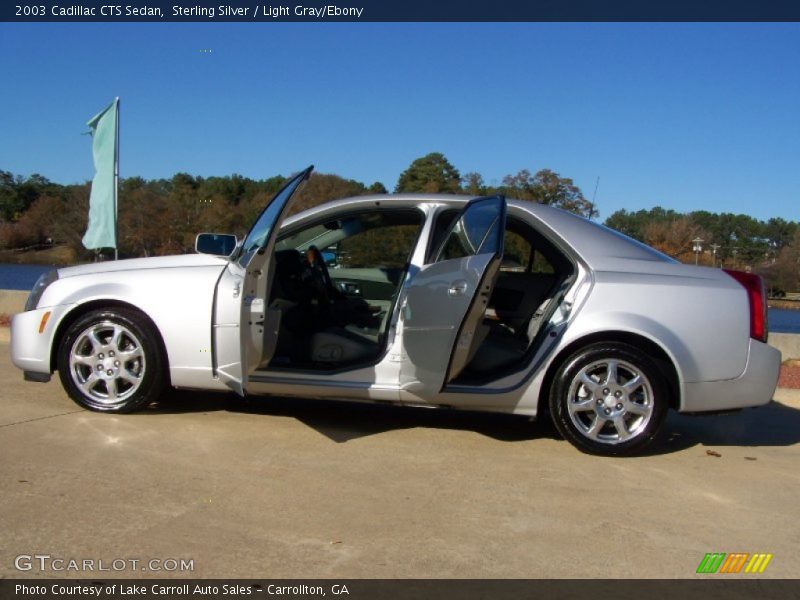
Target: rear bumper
754	387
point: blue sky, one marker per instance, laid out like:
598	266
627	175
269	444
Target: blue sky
691	116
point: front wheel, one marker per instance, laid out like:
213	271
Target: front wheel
109	360
609	399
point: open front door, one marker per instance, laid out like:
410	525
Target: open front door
446	299
244	329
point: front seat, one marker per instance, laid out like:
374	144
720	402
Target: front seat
338	345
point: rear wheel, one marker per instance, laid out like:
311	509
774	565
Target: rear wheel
609	399
110	360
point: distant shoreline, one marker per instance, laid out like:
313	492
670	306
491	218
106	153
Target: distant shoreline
784	304
60	256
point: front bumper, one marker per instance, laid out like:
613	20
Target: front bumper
754	387
30	348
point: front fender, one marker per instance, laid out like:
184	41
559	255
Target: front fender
178	302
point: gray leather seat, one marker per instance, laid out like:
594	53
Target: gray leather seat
502	347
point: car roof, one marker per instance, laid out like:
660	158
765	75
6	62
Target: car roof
600	247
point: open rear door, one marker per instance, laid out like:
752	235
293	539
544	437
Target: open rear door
244	329
446	300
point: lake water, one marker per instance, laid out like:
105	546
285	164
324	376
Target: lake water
784	321
22	277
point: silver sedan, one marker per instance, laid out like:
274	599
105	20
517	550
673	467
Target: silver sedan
426	300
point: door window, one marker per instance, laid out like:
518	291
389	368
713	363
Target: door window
520	252
259	234
477	231
387	247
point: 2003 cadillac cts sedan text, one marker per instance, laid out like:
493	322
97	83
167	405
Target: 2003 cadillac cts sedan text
424	300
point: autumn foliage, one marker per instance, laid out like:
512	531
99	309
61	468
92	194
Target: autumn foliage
163	216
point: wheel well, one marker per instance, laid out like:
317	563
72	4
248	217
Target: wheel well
653	350
82	309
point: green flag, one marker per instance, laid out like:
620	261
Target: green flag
102	229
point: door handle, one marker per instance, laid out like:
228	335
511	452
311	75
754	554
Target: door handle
458	288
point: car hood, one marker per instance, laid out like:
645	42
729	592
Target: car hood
137	264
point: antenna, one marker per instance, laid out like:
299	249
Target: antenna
594	195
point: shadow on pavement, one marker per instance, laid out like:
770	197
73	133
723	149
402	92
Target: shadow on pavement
344	421
773	425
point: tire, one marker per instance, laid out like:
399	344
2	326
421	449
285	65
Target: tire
110	360
609	399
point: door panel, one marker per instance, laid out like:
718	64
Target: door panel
236	346
446	300
243	329
473	331
437	300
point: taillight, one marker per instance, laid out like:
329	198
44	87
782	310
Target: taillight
757	297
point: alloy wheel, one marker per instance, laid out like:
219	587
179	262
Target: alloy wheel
107	362
610	401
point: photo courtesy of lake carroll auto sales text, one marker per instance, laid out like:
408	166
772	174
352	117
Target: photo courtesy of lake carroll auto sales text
400	300
99	590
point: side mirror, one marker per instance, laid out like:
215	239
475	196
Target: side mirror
329	258
218	244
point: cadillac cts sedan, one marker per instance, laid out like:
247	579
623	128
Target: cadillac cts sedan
441	301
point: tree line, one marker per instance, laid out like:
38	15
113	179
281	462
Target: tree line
770	248
162	216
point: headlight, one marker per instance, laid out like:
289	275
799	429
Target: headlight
39	287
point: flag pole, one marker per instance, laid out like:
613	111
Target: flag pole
116	185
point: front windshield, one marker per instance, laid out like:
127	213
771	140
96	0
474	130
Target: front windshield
260	232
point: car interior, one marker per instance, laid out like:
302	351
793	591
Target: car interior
336	284
532	276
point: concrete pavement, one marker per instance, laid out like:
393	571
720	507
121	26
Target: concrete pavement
12	301
300	488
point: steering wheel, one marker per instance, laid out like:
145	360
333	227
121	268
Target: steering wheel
319	270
